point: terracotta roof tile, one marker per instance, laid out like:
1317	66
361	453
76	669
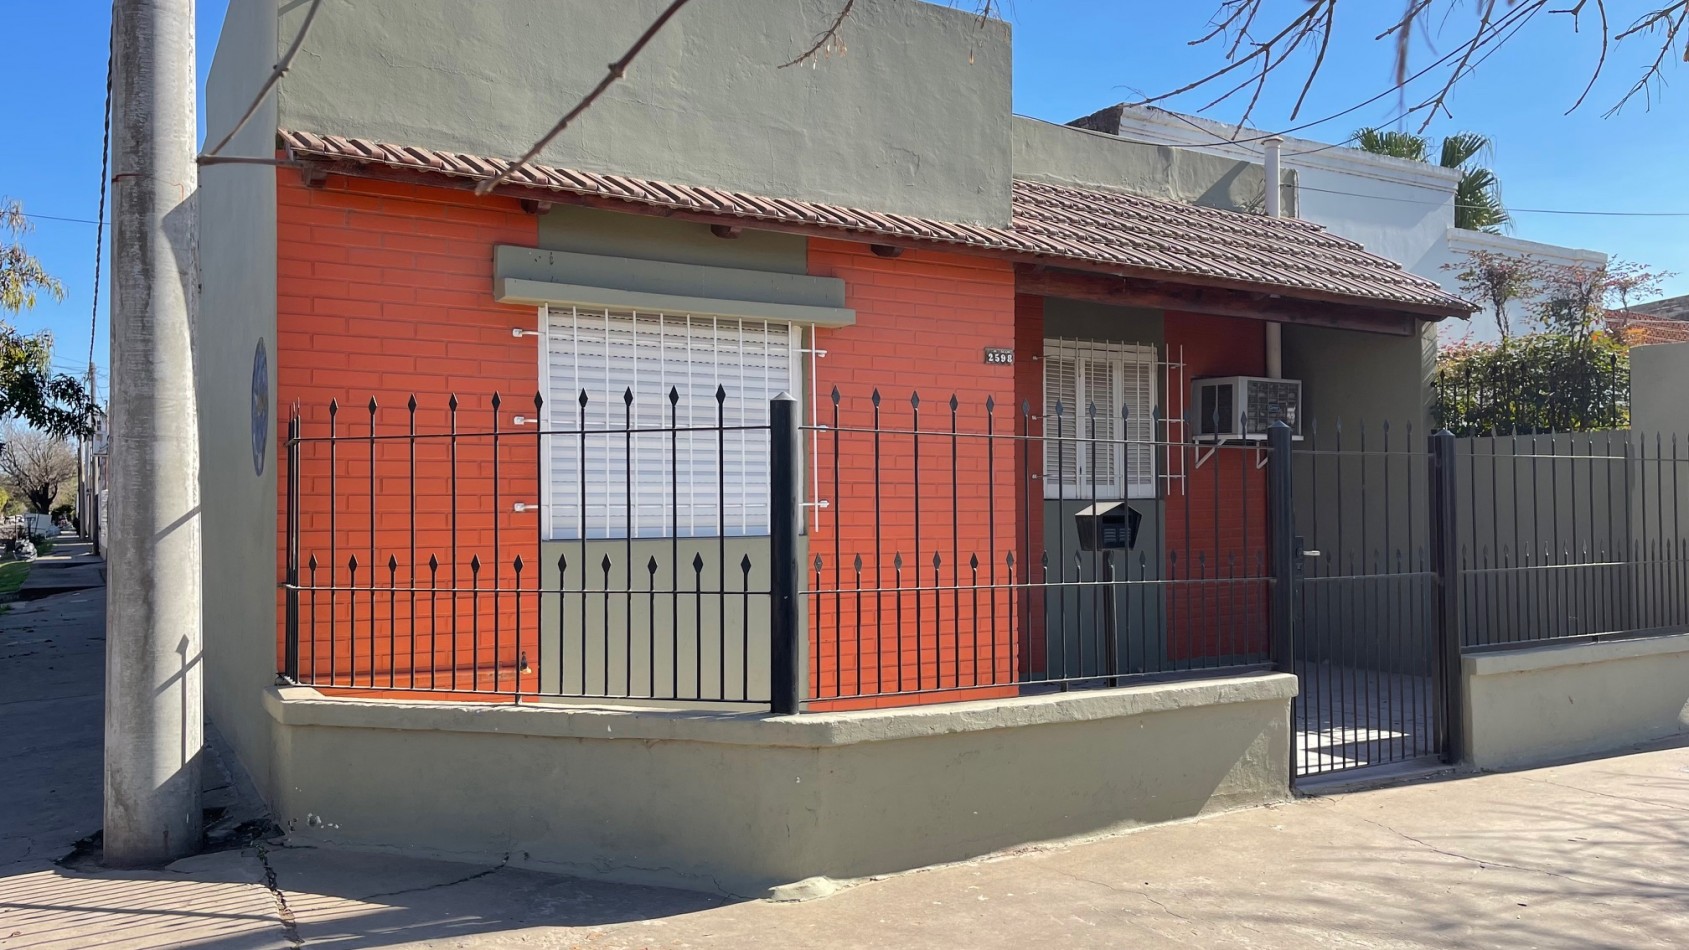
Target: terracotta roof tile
1081	227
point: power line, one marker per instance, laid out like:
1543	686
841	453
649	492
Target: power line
48	217
1510	210
1499	26
100	228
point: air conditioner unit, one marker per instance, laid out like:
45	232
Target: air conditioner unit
1243	407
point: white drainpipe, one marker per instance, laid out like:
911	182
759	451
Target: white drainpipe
1275	331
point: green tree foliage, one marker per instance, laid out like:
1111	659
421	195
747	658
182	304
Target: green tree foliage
1477	198
1572	374
1536	382
29	389
1495	281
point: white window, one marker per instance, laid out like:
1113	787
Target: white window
659	468
1108	453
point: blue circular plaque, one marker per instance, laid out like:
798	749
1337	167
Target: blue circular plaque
260	408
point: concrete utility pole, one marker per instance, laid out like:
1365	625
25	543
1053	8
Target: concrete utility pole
154	726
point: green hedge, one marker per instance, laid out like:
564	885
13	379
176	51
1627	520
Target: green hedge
1540	382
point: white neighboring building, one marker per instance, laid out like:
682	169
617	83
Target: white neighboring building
1459	242
1398	209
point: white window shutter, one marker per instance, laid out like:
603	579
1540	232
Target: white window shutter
1139	388
642	479
1061	455
1102	444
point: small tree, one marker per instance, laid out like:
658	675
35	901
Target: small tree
36	465
29	388
1495	280
1578	297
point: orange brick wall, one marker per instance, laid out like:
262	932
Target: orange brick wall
384	291
923	322
1217	528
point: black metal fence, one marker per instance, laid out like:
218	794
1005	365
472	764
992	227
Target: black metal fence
972	548
699	549
416	558
1558	389
1571	536
1364	580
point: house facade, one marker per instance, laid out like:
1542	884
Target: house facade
487	456
1402	210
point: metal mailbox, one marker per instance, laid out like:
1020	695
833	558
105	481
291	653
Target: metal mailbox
1108	526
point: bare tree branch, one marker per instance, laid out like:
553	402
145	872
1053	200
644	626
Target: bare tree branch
1436	102
617	70
1267	55
1601	7
1319	60
1494	23
985	10
276	74
1662	17
825	38
36	465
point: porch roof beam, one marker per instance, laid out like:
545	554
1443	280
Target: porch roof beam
1222	302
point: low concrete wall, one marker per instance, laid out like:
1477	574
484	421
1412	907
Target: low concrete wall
747	804
1526	706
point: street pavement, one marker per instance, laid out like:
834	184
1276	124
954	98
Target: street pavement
1587	854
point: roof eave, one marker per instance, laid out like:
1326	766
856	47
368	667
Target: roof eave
375	168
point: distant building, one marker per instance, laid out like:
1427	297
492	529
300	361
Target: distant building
1668	308
1657	321
1400	209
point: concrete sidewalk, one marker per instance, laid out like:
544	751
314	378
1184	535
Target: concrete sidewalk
1592	854
72	566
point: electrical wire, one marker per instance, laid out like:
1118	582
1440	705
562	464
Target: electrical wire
1510	209
100	230
48	217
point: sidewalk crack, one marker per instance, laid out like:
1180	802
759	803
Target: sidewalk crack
1120	890
443	884
1481	862
1590	791
290	926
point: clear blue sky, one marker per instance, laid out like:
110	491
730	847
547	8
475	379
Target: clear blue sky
1071	58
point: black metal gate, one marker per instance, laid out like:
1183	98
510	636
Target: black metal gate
1364	618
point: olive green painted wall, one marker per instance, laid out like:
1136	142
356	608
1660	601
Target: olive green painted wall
1659	389
641	237
748	805
1357	376
1063	155
1527	707
915	119
632	642
237	219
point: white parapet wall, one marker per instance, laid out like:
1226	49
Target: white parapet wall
753	805
1553	702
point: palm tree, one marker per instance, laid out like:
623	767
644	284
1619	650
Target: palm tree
1477	198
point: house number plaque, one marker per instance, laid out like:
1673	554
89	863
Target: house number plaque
1000	355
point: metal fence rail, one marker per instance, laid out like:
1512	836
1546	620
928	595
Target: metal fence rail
415	560
1568	536
942	564
1568	391
1366	626
703	550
